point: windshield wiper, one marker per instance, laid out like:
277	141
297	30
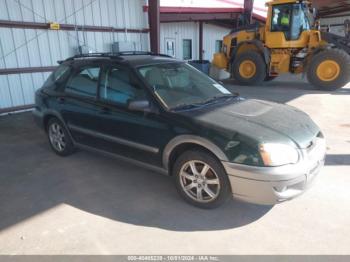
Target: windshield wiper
217	98
185	106
203	103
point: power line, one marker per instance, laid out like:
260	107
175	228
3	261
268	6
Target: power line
31	39
76	11
72	36
30	9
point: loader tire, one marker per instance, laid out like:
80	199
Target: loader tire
329	69
249	68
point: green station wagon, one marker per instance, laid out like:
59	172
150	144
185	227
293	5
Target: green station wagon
166	115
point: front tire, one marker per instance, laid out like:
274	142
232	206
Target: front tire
249	68
329	69
58	137
201	179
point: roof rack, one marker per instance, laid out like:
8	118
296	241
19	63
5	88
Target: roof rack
111	54
141	53
90	55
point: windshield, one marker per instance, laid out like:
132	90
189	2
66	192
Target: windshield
309	15
292	19
300	21
179	85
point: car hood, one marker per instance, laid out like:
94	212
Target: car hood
260	120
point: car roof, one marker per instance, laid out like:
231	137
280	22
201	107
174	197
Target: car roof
134	59
143	60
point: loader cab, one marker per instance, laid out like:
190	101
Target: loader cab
288	25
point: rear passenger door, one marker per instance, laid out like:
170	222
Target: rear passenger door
79	101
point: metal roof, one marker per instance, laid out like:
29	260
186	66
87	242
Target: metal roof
201	6
207	10
332	8
214	8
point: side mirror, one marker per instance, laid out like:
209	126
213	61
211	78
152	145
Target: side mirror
140	105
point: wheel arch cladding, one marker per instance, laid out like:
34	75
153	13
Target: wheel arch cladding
52	114
185	142
47	118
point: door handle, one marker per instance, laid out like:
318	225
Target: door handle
105	111
60	100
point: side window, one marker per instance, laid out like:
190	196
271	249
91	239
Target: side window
280	18
187	49
60	73
300	22
85	82
218	46
118	86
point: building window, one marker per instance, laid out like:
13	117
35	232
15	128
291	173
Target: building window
187	49
218	46
170	47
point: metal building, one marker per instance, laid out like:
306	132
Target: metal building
194	29
334	16
181	39
35	34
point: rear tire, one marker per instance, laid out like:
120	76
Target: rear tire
249	68
59	138
201	179
329	69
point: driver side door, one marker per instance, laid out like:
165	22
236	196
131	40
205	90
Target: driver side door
133	134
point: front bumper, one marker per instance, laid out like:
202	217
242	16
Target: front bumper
272	185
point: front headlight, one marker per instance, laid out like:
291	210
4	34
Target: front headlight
278	154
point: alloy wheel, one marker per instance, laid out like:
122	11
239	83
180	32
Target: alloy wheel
57	137
199	181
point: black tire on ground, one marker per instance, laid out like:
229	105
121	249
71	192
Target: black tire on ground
216	171
337	55
260	65
269	78
62	135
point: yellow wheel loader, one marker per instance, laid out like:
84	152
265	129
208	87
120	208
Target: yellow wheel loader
287	43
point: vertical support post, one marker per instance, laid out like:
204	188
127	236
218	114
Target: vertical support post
237	21
154	24
200	40
248	11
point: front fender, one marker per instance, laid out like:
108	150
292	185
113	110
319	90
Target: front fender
258	44
183	139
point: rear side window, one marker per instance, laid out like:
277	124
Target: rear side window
84	83
61	73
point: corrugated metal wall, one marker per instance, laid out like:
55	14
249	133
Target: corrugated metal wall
190	30
339	29
211	33
178	32
40	48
